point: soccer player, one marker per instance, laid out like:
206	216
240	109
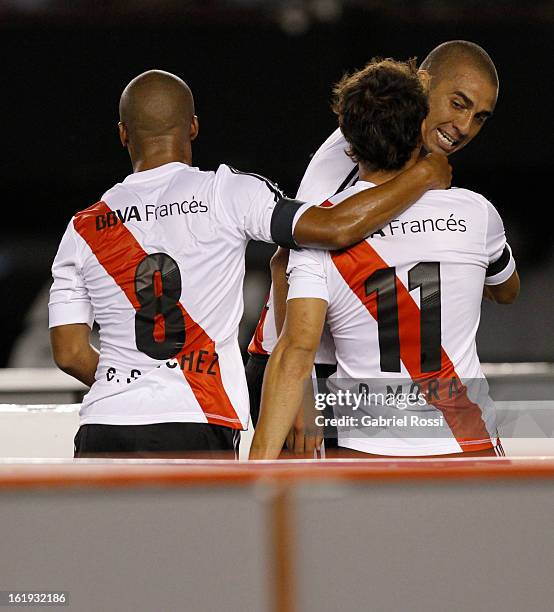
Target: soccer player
463	92
159	264
402	305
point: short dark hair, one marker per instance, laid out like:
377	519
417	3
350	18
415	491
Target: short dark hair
380	110
439	61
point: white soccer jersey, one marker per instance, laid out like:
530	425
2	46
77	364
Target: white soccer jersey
159	264
404	305
330	171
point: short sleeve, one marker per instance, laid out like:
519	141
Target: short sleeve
257	207
69	299
330	171
307	275
501	261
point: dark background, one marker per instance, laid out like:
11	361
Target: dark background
261	73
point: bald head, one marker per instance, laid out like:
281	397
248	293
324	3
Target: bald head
445	58
157	120
156	103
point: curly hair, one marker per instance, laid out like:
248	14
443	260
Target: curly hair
380	110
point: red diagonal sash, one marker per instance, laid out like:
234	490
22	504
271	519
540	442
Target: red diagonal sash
117	250
463	416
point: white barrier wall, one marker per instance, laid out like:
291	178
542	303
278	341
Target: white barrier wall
46	431
423	536
38	431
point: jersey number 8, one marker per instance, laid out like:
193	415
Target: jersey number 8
159	322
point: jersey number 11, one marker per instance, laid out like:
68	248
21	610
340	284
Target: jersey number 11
426	277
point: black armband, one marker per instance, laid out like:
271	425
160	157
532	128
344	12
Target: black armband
500	264
281	222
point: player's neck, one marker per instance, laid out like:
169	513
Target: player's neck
157	154
378	177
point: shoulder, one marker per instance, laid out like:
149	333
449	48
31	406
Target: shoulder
346	193
332	151
225	170
228	174
335	140
307	258
94	215
459	196
96	208
102	205
243	181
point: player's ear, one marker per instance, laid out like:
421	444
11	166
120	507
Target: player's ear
194	127
123	133
425	79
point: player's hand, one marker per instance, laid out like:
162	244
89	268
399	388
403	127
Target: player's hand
438	169
303	443
295	438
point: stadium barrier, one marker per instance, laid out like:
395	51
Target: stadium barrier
293	536
304	536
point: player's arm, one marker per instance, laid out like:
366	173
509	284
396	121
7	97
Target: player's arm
288	372
362	214
501	278
505	293
70	313
260	211
299	440
278	266
73	352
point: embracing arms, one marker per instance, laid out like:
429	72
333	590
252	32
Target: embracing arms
350	221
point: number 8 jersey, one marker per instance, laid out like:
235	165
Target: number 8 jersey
403	309
158	263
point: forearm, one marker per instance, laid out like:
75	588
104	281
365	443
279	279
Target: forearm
287	373
278	267
363	213
81	365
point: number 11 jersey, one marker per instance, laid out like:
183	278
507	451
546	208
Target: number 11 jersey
159	264
403	309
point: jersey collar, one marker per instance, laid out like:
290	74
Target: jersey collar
148	175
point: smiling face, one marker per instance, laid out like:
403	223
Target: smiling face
461	99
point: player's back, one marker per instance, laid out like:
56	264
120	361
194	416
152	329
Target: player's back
425	270
404	308
161	257
173	232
